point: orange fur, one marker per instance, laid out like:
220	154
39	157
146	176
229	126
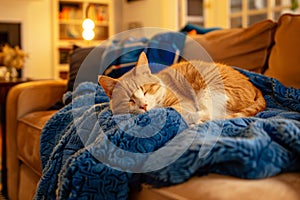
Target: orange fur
244	99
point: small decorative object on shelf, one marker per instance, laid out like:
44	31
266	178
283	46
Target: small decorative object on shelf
13	59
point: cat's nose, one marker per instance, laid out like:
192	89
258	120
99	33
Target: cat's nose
144	107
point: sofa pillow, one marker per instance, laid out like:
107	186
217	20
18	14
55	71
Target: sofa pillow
77	56
88	72
285	54
198	29
247	48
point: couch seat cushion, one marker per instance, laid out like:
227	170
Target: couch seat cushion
219	187
28	138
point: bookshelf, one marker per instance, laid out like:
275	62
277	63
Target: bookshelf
67	23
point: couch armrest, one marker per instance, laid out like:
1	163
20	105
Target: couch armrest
33	96
23	99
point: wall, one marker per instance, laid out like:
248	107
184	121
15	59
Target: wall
35	16
151	13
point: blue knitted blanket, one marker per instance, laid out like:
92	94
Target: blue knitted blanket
87	153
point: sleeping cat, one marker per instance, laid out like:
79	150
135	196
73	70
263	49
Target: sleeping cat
198	90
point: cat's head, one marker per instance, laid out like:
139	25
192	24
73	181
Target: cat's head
135	92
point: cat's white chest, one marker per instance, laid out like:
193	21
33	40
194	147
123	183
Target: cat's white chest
211	104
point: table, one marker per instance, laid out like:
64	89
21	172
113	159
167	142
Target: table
5	86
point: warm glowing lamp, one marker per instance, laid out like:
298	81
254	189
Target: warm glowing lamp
88	34
88	26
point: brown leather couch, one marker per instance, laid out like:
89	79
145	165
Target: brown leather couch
268	47
26	116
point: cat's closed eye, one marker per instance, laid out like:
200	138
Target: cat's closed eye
144	90
131	101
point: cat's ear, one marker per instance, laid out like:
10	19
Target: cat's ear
108	84
142	66
143	60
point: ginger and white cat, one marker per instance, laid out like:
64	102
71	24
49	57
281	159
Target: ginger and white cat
198	90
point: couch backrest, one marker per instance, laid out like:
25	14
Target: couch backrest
284	62
247	48
268	47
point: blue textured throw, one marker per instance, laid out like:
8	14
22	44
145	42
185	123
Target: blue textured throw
84	148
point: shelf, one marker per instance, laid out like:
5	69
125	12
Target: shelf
68	28
70	10
70	21
79	22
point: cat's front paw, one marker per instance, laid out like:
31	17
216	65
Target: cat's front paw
203	116
196	117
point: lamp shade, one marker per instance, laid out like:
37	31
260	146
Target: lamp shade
88	34
88	24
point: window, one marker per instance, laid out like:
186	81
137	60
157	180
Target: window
247	12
